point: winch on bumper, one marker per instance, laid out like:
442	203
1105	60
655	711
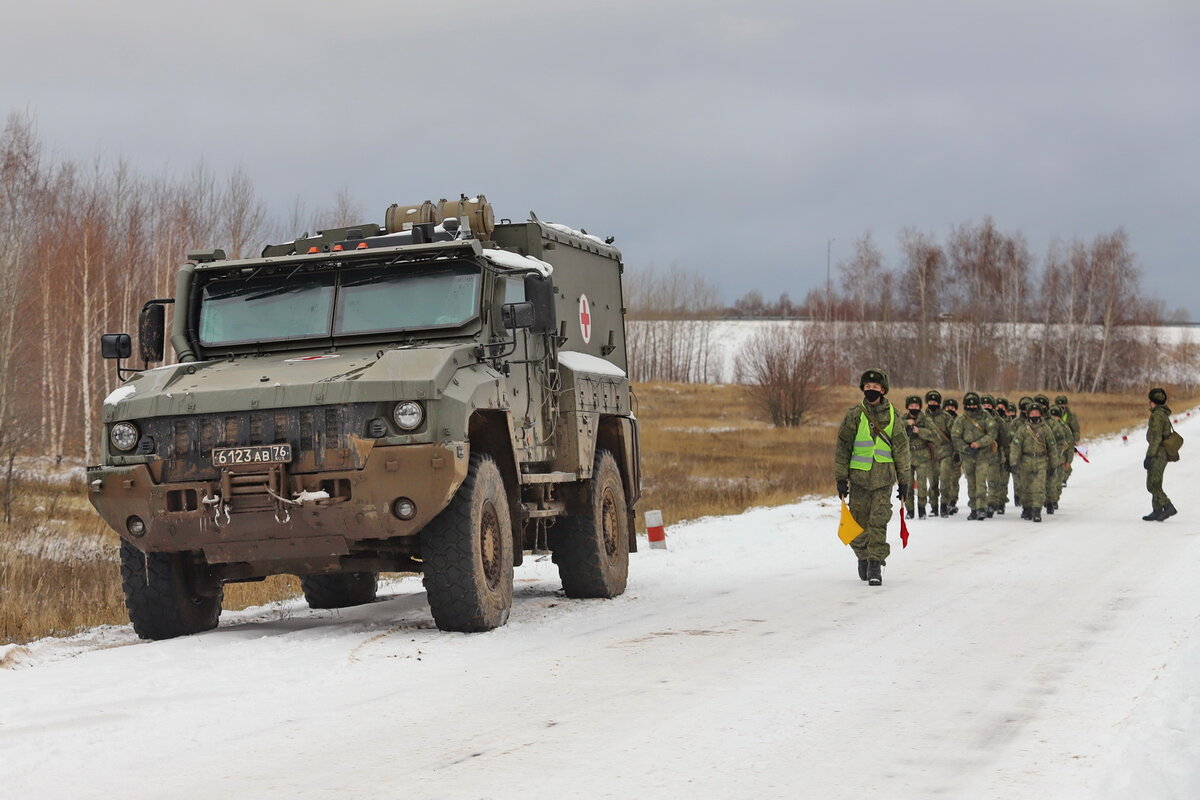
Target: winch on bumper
262	511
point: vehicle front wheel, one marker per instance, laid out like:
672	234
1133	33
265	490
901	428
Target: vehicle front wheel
468	554
166	595
339	590
592	549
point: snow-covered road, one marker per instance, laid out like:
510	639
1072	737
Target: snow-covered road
1000	659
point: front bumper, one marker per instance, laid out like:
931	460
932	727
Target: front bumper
243	515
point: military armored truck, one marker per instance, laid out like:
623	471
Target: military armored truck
437	394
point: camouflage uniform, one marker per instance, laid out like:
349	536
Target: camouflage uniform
1063	434
1157	429
974	436
871	489
933	426
921	456
1029	452
997	479
1072	421
950	487
1006	427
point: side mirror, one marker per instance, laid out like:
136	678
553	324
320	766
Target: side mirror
517	315
539	290
116	345
152	332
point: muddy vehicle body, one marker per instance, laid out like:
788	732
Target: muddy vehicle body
439	394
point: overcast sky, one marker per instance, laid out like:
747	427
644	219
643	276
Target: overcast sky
734	139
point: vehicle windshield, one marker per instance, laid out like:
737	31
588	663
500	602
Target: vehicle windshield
352	301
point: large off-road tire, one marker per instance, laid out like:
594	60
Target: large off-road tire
592	549
339	590
163	597
468	554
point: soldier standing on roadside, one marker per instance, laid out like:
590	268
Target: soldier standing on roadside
934	427
872	456
1155	463
974	435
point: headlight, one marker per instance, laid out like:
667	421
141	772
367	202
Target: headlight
408	415
124	436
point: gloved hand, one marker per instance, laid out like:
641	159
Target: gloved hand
843	488
1146	463
902	492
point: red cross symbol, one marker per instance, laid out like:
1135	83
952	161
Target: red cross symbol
585	318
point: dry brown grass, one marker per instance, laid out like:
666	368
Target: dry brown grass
703	453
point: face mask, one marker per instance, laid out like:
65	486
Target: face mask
934	406
971	408
1035	419
872	395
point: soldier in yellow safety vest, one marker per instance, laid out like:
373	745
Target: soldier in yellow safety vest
871	456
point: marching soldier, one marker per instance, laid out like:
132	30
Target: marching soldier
974	435
872	456
1029	453
951	406
997	475
1072	421
1063	434
1155	463
933	426
921	453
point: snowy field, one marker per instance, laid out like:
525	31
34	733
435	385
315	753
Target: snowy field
1000	659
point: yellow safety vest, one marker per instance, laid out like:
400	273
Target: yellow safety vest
868	450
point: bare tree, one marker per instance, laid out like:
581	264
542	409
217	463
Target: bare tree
785	371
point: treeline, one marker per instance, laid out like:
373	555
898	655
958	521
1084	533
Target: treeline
975	309
82	245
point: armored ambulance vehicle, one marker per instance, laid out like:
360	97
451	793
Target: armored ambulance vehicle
437	394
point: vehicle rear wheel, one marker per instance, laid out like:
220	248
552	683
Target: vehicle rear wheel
165	595
592	549
468	554
339	590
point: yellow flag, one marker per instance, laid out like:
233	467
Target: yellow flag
848	529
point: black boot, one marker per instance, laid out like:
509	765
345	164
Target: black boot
921	512
990	510
973	515
1154	516
943	510
874	573
908	515
953	509
1167	511
1037	514
1000	509
1026	513
1049	508
862	569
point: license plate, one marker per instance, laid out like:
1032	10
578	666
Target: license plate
258	454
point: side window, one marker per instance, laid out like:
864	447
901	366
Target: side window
514	290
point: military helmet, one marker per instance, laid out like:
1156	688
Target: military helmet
1025	404
987	400
970	399
950	403
1158	395
1056	411
912	399
874	376
1041	398
1061	400
933	396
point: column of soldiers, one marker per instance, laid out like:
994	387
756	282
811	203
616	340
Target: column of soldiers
994	440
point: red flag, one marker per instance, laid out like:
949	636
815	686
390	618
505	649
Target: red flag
903	530
1083	454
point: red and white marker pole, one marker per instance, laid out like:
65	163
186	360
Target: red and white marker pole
655	530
